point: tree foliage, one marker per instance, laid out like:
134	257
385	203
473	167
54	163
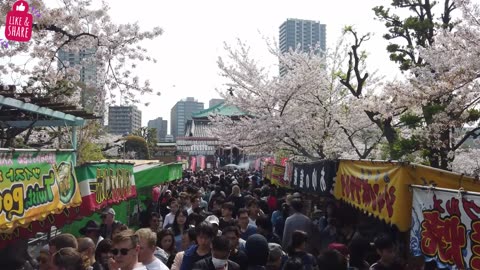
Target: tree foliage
440	95
75	27
306	112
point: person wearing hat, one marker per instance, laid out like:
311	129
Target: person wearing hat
92	231
275	257
212	219
108	223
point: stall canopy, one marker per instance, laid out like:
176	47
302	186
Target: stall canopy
314	177
35	184
157	175
446	227
276	175
39	187
382	188
103	184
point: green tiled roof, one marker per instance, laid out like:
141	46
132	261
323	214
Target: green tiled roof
219	109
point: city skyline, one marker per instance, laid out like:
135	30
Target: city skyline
190	70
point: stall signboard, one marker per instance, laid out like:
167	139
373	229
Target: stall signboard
428	176
287	177
34	185
316	177
379	188
446	227
103	184
276	173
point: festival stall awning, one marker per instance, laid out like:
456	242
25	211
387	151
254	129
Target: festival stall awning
446	227
382	188
35	185
378	188
276	175
104	184
158	175
314	177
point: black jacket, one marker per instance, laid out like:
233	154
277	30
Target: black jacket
206	264
105	233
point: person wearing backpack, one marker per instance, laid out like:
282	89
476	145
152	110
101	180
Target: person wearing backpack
297	249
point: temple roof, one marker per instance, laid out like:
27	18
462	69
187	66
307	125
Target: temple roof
220	109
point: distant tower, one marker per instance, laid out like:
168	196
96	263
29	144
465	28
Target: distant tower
92	97
124	119
161	126
181	112
303	33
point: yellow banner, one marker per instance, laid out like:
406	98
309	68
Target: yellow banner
276	176
35	185
427	176
379	188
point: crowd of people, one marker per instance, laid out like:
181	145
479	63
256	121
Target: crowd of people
221	221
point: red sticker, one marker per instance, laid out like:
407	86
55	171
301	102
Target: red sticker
19	23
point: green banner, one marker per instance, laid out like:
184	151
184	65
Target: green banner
35	184
103	184
158	175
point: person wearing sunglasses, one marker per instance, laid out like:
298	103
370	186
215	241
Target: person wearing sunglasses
125	250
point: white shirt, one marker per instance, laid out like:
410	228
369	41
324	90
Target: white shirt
252	222
100	238
140	266
156	265
169	219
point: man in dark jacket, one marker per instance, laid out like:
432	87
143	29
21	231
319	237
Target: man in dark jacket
108	223
257	252
219	259
265	228
202	250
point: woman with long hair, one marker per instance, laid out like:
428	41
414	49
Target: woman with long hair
166	241
298	247
180	225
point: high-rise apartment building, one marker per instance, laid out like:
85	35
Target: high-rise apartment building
215	101
181	112
124	119
92	97
161	126
304	33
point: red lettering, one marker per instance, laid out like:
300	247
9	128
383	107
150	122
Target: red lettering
468	206
437	204
445	237
475	237
376	189
369	195
453	208
390	200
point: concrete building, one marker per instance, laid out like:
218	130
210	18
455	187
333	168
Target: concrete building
181	113
215	101
304	33
92	97
124	119
161	126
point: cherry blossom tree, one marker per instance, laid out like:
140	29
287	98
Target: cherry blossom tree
442	94
305	112
427	111
77	27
